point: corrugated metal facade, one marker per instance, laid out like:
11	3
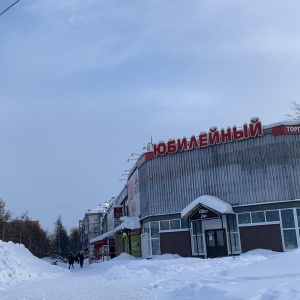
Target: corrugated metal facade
255	170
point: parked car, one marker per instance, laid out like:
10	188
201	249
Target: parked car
60	258
55	259
50	259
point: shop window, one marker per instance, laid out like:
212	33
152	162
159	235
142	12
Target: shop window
197	238
235	242
258	217
164	225
154	229
232	223
198	244
175	224
244	218
290	239
197	227
287	218
298	216
272	216
155	247
184	223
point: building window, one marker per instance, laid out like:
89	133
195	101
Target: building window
258	217
184	223
290	239
172	225
287	218
175	224
234	242
154	227
244	218
197	238
232	223
164	225
198	244
155	246
272	216
298	216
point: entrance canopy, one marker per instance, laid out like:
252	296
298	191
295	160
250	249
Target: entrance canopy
102	237
128	223
208	201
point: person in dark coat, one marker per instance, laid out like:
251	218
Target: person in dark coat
81	259
71	260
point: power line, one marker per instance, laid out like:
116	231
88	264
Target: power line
9	7
49	203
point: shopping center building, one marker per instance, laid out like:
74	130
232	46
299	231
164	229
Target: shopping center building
223	192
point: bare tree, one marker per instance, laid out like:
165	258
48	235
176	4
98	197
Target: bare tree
295	108
5	216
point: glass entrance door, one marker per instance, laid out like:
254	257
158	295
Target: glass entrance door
215	243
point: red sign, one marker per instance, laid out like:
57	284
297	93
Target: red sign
291	129
213	137
117	212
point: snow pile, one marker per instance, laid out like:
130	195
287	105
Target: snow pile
124	256
18	264
129	223
256	275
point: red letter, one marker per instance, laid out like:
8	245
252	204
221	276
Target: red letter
159	149
246	132
172	146
214	136
238	134
226	135
255	127
193	143
203	139
181	144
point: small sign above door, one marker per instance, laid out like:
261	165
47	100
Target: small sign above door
204	213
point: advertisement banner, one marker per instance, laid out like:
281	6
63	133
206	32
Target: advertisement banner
133	195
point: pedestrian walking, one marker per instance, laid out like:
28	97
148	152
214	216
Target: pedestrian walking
81	259
71	261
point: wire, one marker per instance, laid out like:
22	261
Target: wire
49	203
9	7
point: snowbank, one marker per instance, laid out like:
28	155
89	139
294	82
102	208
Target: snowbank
18	264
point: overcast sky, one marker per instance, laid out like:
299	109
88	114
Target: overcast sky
84	83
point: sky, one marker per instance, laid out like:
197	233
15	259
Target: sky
255	275
86	83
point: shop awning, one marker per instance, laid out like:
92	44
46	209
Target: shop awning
208	201
129	223
102	237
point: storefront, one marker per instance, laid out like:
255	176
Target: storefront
253	170
223	192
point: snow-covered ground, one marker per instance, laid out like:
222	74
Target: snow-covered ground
256	275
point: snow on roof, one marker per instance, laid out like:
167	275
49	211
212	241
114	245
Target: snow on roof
128	223
283	123
210	202
101	208
102	237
